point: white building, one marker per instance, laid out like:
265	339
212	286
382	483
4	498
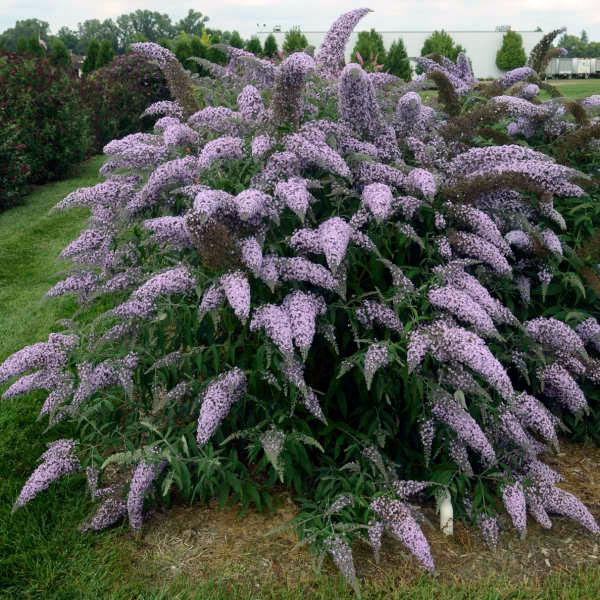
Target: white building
481	46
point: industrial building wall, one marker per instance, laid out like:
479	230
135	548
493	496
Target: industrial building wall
481	46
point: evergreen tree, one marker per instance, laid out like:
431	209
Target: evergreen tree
89	64
182	49
511	54
22	46
253	45
441	42
69	38
105	54
214	54
34	47
236	40
397	62
197	49
59	54
271	48
369	45
294	41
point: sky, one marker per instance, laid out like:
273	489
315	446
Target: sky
249	16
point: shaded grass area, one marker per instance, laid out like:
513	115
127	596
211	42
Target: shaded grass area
42	553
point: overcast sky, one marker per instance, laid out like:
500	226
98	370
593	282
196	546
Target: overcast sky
388	15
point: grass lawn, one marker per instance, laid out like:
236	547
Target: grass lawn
42	553
575	89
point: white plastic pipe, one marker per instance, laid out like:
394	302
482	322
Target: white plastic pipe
446	514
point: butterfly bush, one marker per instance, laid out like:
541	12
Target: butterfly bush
245	256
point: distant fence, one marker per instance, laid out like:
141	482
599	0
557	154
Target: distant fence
573	67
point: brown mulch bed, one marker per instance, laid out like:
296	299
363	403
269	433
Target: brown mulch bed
208	542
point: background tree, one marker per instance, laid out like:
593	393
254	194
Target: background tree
144	24
98	30
579	47
21	45
34	47
253	45
182	48
106	54
214	54
369	45
197	46
396	61
236	40
59	53
294	41
511	54
441	42
89	64
271	48
69	38
26	28
193	23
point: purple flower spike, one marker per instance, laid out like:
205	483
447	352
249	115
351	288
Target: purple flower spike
448	411
276	323
330	58
110	511
564	503
250	103
166	108
463	307
217	401
341	554
376	357
559	384
334	236
57	461
295	195
223	148
514	502
143	476
397	517
303	309
378	199
373	313
357	103
237	291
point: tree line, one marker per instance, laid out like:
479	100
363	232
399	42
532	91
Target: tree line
99	41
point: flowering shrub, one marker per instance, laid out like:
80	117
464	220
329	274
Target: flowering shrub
318	283
116	96
44	105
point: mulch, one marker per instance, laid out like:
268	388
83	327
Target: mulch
209	542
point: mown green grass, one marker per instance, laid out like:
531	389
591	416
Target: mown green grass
42	553
584	585
575	89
